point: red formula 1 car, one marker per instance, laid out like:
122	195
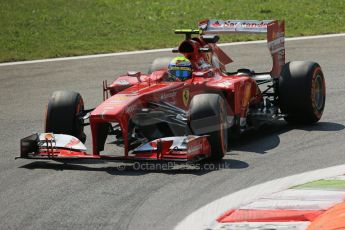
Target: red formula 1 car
154	118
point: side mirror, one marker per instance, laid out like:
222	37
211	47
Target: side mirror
134	74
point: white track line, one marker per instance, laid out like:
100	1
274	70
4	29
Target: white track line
299	225
158	50
204	216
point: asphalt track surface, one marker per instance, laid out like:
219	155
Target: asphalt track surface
108	195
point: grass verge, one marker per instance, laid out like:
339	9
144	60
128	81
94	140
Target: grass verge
43	29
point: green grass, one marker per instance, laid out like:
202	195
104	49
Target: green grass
45	28
323	184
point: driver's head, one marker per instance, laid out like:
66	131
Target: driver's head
180	68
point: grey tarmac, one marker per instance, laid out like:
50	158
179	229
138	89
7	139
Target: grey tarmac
110	195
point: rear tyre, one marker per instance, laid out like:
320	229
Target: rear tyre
302	92
207	116
159	64
62	114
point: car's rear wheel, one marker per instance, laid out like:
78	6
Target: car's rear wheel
159	64
302	92
207	116
62	114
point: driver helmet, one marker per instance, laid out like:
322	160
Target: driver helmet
180	68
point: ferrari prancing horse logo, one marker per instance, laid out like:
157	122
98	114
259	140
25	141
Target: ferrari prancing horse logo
185	96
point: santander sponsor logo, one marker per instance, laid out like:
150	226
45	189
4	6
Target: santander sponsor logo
194	148
165	96
72	142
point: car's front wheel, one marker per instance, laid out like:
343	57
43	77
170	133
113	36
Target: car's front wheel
62	114
207	116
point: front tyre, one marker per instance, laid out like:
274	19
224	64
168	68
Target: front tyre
302	92
62	114
207	116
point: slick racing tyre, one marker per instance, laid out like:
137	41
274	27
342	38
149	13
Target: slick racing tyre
207	116
62	114
159	64
302	92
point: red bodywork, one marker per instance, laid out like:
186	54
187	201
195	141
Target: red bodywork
239	92
132	92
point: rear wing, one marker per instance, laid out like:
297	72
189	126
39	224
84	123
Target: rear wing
275	31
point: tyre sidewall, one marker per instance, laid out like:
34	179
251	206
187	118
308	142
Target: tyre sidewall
297	92
212	108
62	111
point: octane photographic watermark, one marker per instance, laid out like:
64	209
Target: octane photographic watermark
165	166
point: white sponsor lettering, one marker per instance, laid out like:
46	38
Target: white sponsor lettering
122	82
276	45
195	148
237	26
262	226
165	96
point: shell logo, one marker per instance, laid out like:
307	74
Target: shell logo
185	97
247	93
48	136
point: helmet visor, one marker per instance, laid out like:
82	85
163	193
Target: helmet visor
181	73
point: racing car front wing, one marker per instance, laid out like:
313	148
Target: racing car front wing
65	147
